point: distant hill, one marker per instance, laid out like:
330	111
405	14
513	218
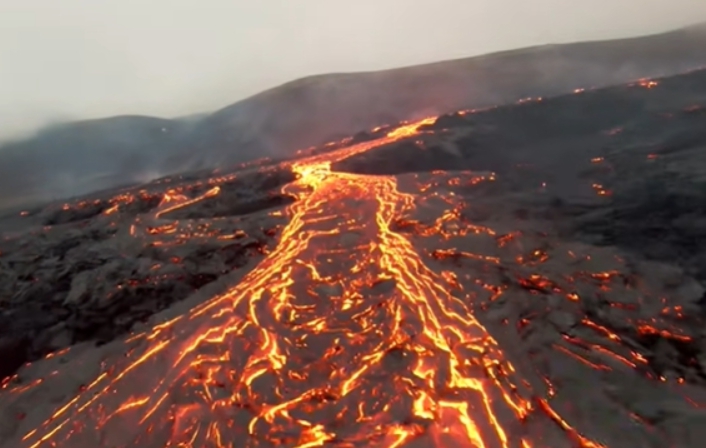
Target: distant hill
311	110
75	158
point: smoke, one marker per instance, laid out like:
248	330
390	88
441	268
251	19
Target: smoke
25	123
317	109
67	159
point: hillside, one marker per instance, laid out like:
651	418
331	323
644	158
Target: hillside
462	280
316	109
80	157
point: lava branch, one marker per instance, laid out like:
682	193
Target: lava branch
172	202
341	335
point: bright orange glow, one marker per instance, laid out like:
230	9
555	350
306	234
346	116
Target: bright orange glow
343	335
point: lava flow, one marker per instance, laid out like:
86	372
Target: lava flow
342	336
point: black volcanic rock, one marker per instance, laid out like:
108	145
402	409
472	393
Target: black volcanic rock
581	257
14	352
620	166
643	146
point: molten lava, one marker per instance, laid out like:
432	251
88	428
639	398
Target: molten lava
342	336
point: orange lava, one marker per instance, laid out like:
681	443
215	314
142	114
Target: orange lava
177	201
341	336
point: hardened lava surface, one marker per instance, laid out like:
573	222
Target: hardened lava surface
423	285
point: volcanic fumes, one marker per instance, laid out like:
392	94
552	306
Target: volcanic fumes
363	327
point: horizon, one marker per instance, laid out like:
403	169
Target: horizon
71	78
315	75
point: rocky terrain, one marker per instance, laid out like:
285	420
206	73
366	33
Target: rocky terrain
523	275
79	157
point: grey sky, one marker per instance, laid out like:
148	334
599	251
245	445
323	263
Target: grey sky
62	59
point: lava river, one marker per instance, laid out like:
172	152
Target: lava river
341	336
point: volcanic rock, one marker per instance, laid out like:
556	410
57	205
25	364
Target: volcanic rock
382	295
13	352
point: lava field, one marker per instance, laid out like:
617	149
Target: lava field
528	275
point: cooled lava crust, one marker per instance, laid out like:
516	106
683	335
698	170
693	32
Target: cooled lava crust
529	275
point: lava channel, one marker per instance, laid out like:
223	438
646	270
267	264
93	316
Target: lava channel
341	336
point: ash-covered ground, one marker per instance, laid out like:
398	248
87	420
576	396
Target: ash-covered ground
558	247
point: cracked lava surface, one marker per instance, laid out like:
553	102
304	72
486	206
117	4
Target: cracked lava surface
383	317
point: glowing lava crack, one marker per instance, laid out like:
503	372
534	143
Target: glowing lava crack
341	336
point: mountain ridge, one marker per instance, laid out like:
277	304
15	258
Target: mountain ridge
56	162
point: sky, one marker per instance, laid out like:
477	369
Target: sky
77	59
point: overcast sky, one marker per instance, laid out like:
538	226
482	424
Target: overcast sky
70	59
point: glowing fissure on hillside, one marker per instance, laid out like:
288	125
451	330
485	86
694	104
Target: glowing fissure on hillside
341	335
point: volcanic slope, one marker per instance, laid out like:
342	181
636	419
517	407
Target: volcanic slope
319	108
76	158
523	276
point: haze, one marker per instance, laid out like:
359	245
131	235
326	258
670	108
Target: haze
77	59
